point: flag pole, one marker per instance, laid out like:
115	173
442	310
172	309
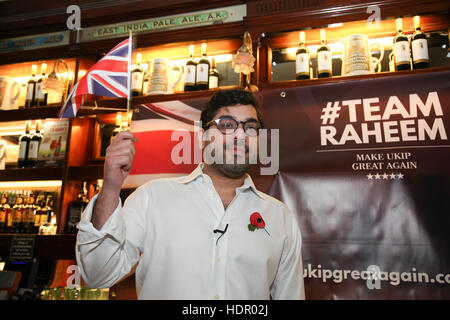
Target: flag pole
130	51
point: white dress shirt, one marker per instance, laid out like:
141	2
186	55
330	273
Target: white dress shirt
167	226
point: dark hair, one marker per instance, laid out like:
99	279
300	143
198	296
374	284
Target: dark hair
228	98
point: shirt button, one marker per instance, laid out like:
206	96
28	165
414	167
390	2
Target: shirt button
213	195
218	259
217	297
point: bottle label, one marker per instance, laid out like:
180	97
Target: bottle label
28	216
30	90
33	150
401	52
2	216
16	216
213	82
136	80
190	75
420	50
302	64
22	150
43	219
37	220
324	61
202	73
39	93
9	218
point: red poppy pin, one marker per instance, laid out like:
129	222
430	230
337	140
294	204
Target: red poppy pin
257	222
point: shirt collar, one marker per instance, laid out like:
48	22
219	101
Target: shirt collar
198	172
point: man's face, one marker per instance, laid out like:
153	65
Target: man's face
237	147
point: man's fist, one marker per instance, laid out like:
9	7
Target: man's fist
118	160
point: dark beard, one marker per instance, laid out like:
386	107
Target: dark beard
236	168
232	170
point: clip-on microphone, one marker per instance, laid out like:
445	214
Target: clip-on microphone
220	231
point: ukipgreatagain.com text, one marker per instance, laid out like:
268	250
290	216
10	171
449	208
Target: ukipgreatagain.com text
373	276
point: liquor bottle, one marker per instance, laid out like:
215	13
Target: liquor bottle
31	88
401	48
40	206
137	77
48	210
324	67
46	214
75	210
24	144
12	196
302	60
5	211
190	71
202	81
213	75
34	144
29	213
51	218
40	97
146	80
16	214
419	47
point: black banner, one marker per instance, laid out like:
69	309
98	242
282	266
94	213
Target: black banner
364	165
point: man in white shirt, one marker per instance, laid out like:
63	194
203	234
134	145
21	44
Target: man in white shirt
208	235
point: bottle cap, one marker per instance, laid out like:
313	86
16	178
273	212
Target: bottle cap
203	48
322	35
138	58
399	24
302	37
416	20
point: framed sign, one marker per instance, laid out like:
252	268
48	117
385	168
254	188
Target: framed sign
22	248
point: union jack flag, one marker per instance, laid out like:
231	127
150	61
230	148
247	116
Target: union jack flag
109	77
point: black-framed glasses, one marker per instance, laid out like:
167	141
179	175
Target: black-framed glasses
229	125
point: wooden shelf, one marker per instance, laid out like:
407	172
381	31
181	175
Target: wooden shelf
59	246
89	172
29	114
30	174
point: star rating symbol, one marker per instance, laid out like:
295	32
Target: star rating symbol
385	176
